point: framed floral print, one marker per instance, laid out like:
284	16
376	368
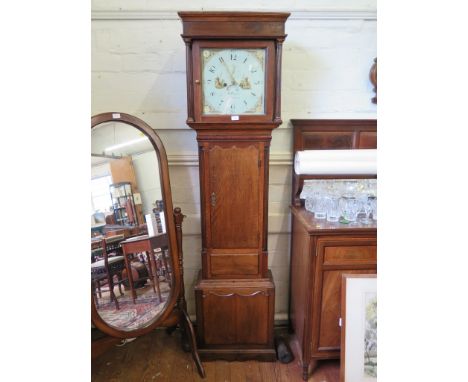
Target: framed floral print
358	328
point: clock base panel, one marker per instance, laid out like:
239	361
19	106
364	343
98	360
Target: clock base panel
235	318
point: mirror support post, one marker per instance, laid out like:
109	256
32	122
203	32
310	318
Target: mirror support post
178	219
186	325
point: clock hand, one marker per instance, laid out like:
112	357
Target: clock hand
233	80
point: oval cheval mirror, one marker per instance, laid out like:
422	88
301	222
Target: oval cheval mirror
136	254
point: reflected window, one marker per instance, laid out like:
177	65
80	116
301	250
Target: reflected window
100	196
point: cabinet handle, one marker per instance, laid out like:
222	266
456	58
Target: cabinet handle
213	199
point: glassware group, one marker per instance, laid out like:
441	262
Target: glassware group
341	200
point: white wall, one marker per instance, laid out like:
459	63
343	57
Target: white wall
138	67
146	168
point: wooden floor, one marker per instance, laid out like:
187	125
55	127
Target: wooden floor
159	357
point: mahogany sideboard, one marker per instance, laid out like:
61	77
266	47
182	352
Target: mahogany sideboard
321	251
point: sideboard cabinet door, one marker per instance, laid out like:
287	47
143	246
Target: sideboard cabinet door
336	256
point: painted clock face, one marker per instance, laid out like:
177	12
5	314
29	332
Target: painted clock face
233	81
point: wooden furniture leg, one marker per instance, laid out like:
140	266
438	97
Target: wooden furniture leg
119	279
184	336
155	274
99	289
185	321
93	288
129	276
305	371
164	259
308	369
111	292
150	271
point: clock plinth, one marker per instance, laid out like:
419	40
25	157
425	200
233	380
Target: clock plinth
233	103
235	318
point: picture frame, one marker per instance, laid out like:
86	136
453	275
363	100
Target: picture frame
358	328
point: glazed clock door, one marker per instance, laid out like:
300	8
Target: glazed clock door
235	202
233	81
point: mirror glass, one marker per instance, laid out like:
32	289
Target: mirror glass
131	266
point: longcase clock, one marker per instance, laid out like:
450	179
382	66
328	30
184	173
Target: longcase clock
233	103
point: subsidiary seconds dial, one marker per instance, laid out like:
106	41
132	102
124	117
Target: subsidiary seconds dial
233	81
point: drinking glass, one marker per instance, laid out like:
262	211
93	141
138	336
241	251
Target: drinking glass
306	190
307	195
362	199
373	202
333	209
309	201
350	208
321	207
367	208
373	187
316	192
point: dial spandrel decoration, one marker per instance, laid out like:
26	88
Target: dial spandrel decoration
233	81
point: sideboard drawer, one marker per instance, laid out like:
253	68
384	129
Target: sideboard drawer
362	251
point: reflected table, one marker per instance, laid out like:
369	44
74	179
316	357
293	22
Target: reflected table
146	244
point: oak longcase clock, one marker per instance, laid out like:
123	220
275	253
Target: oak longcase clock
233	103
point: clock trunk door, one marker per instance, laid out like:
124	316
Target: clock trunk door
235	203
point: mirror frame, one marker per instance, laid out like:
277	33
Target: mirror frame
170	226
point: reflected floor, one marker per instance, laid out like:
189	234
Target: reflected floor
133	316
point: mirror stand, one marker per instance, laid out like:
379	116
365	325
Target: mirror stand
136	237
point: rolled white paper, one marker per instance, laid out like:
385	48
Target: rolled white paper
320	162
151	224
163	222
339	167
333	155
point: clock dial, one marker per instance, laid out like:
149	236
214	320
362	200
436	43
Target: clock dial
233	81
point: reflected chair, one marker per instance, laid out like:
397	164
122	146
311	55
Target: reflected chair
163	268
105	269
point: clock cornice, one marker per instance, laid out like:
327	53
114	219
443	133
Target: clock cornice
233	25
